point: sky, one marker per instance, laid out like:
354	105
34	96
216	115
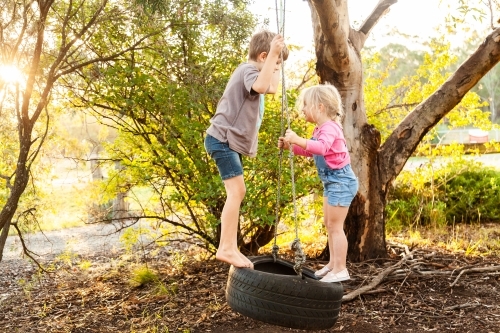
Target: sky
412	17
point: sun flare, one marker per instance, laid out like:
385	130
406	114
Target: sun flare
10	74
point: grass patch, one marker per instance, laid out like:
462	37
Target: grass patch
142	276
470	240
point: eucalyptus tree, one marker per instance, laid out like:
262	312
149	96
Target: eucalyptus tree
377	163
43	42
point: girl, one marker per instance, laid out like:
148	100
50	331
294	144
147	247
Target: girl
322	105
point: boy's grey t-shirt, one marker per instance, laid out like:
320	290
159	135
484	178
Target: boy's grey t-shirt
239	112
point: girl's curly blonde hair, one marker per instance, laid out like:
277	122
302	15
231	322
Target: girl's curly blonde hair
325	94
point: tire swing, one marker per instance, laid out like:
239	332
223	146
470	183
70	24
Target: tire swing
273	293
279	292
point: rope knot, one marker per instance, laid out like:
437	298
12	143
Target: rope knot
300	257
275	252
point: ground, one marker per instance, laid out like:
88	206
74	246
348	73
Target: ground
97	292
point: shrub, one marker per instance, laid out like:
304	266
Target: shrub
470	195
401	213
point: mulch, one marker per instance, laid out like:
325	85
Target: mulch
430	291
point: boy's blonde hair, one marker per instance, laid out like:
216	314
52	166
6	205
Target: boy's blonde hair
261	42
325	94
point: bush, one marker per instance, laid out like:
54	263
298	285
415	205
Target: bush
472	196
401	213
469	196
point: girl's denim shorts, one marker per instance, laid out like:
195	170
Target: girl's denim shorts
339	185
229	162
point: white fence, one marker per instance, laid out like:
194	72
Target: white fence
468	136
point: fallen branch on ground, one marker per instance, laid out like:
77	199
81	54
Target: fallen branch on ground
475	270
377	280
408	265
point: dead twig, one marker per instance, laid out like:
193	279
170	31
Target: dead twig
461	306
475	270
376	291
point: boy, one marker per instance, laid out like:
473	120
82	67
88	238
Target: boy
234	131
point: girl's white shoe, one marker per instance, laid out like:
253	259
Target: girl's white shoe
322	272
343	275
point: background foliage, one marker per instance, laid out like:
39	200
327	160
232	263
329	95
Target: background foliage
160	100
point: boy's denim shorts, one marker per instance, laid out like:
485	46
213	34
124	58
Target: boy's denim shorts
229	162
339	185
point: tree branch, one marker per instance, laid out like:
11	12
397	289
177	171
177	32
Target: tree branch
406	137
395	106
492	18
308	75
26	251
7	181
380	10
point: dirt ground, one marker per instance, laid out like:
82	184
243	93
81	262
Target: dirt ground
432	291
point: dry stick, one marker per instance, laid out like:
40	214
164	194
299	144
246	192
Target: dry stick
397	292
481	321
376	291
376	281
431	273
403	246
474	270
461	306
429	255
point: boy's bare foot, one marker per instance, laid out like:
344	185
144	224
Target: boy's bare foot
234	258
250	263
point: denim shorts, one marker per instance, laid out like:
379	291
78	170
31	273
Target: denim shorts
339	185
229	162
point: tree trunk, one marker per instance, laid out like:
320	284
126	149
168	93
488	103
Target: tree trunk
120	209
3	238
120	206
98	212
340	64
261	237
20	183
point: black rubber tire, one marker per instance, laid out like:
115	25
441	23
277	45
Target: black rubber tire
275	294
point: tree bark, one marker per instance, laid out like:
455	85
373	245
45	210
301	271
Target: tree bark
25	123
338	49
3	238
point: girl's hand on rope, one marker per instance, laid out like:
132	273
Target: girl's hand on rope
292	138
282	144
